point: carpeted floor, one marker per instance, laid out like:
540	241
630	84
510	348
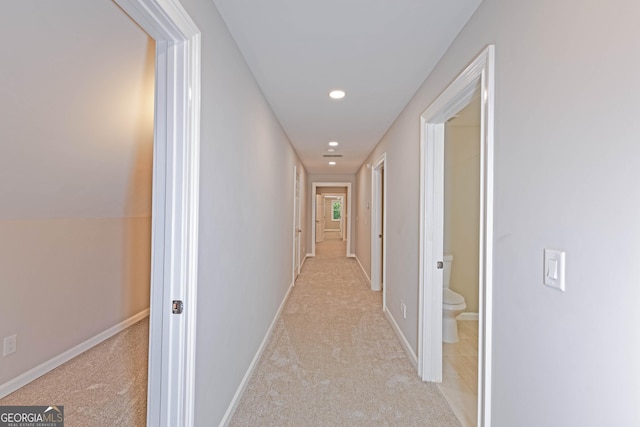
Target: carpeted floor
104	386
334	360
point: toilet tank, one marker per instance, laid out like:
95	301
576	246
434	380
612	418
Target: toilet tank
448	260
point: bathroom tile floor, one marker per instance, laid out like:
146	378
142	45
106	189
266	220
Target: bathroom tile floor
460	373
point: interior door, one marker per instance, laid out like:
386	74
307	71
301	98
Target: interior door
319	218
342	210
381	229
297	228
377	219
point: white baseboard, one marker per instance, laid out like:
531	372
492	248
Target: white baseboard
363	270
309	256
403	340
48	366
468	316
252	366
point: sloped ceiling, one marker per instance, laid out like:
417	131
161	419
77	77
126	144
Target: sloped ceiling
76	108
378	51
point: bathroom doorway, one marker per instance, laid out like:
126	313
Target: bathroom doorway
478	77
461	239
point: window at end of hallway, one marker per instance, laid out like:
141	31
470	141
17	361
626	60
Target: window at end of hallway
336	208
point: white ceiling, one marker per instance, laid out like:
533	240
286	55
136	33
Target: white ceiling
378	51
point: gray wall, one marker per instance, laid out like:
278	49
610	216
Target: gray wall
245	252
567	155
76	125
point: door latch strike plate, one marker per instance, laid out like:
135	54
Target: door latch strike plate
177	306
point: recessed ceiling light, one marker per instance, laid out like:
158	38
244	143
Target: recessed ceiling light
333	144
332	163
331	150
337	94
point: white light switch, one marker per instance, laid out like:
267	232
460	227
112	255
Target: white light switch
553	269
554	266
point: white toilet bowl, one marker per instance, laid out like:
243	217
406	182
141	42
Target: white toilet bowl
452	305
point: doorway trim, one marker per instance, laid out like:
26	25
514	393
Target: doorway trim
314	187
480	73
378	193
174	241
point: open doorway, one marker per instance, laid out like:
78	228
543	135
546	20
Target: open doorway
477	76
461	250
174	229
77	190
333	216
174	261
331	213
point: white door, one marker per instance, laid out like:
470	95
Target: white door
377	226
297	230
319	218
342	210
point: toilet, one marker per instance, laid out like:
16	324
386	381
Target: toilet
452	305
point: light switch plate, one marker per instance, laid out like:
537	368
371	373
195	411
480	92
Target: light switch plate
554	268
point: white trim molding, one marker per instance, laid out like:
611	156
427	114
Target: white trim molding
479	74
48	366
403	340
174	260
468	316
363	270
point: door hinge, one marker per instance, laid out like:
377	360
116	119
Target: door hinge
440	264
177	306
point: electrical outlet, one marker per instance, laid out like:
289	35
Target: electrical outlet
9	345
403	309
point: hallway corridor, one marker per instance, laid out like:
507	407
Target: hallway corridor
334	360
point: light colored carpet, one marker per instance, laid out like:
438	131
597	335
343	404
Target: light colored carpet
104	386
334	360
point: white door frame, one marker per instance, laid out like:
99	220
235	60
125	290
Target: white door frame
314	187
480	73
174	241
378	212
